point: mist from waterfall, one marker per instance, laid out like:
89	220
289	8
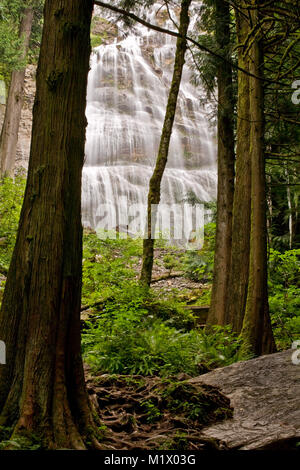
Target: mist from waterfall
127	94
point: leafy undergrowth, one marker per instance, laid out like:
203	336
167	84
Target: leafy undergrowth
133	343
152	413
27	441
130	330
284	296
11	198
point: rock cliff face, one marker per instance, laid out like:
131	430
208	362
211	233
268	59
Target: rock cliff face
24	137
100	28
265	395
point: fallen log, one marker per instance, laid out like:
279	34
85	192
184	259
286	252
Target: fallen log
165	277
200	311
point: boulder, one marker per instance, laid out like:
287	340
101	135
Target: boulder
265	395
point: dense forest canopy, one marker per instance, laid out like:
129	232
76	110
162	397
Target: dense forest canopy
156	103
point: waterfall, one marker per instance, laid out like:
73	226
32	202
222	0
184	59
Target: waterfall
127	94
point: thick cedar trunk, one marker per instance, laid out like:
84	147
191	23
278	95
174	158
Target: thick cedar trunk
239	265
42	387
155	181
257	331
219	297
10	128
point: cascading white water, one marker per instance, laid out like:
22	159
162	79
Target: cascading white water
127	95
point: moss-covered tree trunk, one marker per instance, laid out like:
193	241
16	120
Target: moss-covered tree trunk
222	260
257	331
12	117
239	264
42	386
162	157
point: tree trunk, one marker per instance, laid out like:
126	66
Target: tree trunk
42	386
257	331
270	208
11	123
155	181
239	265
290	207
222	260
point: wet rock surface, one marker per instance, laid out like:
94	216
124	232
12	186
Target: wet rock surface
265	395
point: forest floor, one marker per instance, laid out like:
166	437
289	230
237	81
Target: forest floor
247	406
162	278
148	413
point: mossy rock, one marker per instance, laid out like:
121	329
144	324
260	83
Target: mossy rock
204	404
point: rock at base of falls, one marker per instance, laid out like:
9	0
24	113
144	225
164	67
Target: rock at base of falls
265	395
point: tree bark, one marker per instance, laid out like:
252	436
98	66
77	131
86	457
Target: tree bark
257	331
290	207
162	158
217	311
239	265
42	386
12	117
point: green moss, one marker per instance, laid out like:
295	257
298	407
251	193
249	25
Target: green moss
203	404
179	442
21	441
5	433
96	40
152	410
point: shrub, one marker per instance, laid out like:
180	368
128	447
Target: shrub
11	199
284	299
127	340
199	264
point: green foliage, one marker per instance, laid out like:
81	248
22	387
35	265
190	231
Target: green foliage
10	43
96	40
199	264
106	265
5	433
137	331
184	397
11	198
152	411
284	191
284	298
22	441
127	339
172	261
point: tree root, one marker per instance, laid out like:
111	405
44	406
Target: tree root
137	418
